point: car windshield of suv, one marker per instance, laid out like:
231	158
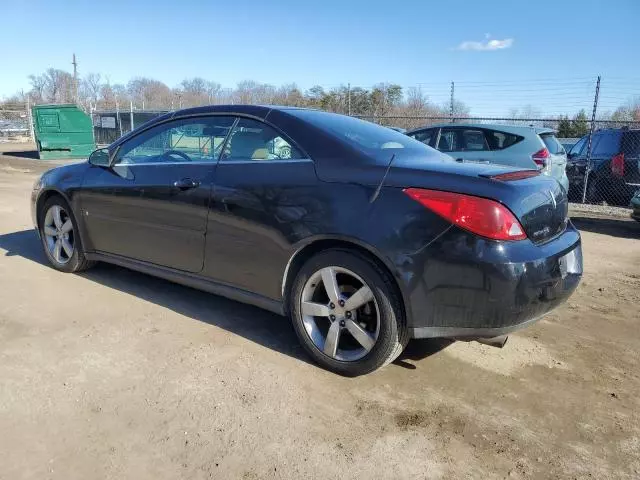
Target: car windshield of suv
365	136
552	144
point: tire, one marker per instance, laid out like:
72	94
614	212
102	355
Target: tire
391	332
77	262
594	195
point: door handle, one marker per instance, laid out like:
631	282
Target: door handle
186	184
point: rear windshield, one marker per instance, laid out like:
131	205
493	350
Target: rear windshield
552	143
631	143
365	136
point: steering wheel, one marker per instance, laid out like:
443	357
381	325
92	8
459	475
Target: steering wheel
177	153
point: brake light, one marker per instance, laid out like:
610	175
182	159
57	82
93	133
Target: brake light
512	176
481	216
540	158
617	165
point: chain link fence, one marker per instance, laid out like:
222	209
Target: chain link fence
109	125
603	167
15	122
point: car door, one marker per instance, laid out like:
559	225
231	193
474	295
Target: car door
465	144
264	197
575	161
152	203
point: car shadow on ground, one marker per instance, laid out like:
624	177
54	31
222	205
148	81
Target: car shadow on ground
32	154
259	326
615	227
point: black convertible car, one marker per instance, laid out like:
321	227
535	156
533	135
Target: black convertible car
364	236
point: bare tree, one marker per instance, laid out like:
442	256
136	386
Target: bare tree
149	93
58	86
91	86
38	87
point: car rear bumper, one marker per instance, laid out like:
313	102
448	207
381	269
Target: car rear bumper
471	287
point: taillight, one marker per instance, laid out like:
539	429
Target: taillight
540	158
617	165
481	216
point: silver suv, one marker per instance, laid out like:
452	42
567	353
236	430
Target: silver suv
527	147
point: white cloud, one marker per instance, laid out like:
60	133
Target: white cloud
486	45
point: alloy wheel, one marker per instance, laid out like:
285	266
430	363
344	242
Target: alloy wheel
340	313
58	234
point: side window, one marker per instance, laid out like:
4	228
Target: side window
608	146
187	140
473	140
462	140
254	140
447	141
425	136
575	150
501	140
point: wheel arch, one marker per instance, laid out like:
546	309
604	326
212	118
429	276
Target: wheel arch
305	251
54	192
46	195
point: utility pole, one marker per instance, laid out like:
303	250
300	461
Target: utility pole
349	98
591	130
75	78
451	102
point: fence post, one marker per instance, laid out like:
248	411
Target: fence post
92	110
118	116
131	114
451	103
593	125
32	136
349	98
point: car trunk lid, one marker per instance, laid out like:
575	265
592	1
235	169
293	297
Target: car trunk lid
539	202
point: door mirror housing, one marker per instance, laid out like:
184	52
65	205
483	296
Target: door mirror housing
100	157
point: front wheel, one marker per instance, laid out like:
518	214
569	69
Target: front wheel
347	313
60	237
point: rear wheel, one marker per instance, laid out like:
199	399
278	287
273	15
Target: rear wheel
60	238
347	314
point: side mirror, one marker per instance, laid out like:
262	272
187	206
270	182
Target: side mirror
100	157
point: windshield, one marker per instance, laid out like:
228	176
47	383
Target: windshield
365	136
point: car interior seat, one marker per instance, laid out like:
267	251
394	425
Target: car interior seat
248	145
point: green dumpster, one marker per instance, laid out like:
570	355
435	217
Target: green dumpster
62	131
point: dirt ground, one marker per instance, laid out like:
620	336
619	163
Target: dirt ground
114	374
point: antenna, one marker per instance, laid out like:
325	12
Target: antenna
377	192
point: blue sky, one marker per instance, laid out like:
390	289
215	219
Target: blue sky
500	53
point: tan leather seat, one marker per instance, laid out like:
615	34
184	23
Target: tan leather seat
245	145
